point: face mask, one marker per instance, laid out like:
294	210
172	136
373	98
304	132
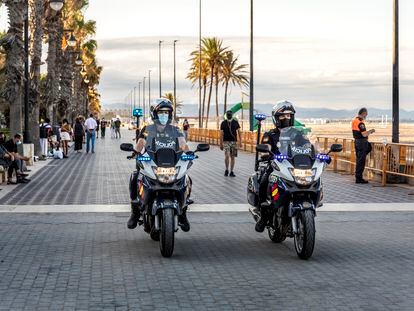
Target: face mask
163	118
18	142
285	123
229	116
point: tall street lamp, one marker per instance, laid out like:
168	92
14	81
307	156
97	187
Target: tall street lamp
135	97
149	88
159	65
251	87
139	94
143	97
175	84
395	79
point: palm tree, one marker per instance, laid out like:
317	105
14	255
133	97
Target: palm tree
170	97
232	73
213	51
193	76
13	45
36	23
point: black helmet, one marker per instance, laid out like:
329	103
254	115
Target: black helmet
162	104
281	108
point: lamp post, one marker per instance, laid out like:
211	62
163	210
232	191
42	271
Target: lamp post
149	88
135	97
251	87
159	65
143	97
139	94
175	84
395	79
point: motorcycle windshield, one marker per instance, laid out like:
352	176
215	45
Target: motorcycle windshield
163	145
295	143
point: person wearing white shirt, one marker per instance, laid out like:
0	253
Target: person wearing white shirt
90	125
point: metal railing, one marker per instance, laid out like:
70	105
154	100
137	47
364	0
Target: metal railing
386	160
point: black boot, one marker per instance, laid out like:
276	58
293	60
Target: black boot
183	222
260	225
134	218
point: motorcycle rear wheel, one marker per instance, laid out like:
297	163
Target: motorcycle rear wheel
305	239
167	232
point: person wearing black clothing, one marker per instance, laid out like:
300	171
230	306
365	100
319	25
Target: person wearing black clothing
362	146
11	147
98	122
230	138
283	115
79	133
103	127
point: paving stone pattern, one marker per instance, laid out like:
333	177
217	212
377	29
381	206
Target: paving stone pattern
102	178
362	261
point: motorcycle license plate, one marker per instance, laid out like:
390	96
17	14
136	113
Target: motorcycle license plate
166	170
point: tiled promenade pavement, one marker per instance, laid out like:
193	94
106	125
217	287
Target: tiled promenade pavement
362	261
102	178
91	261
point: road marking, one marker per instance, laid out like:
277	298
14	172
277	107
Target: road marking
215	208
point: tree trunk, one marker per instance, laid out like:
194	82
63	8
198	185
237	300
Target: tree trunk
217	103
37	17
14	67
204	99
225	96
209	94
54	29
65	103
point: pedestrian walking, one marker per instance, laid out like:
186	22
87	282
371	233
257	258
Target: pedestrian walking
362	146
79	133
112	128
90	126
98	123
45	130
65	136
230	137
103	127
117	125
186	127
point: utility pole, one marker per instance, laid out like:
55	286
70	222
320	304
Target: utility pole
135	97
159	65
175	85
395	79
251	107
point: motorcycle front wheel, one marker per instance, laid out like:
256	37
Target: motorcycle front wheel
276	232
167	232
305	238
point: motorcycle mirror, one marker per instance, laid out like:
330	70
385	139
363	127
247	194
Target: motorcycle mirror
203	147
263	148
127	147
336	148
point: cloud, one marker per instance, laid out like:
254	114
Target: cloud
315	71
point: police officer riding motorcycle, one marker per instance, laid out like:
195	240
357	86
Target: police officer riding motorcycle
283	116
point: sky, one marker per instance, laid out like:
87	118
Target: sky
319	53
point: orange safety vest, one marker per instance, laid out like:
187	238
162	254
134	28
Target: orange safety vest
355	124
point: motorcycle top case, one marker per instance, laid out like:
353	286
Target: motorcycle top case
253	190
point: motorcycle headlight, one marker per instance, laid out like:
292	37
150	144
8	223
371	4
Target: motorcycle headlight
166	175
303	177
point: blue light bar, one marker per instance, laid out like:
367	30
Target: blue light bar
260	117
187	157
281	157
144	158
323	157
